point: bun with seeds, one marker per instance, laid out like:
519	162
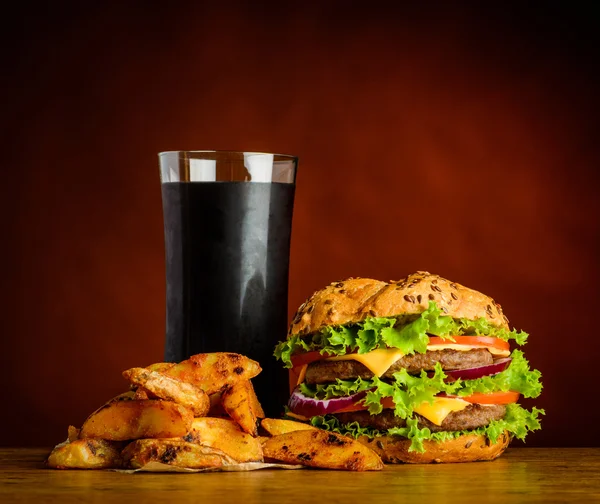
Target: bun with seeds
355	299
419	369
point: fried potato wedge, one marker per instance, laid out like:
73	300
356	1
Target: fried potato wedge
86	454
278	426
174	452
254	402
125	396
141	394
237	401
159	367
212	372
226	436
318	448
124	420
171	389
72	433
217	410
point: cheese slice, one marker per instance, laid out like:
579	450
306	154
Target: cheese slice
378	361
440	408
302	374
466	348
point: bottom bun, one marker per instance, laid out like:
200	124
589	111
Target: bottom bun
465	448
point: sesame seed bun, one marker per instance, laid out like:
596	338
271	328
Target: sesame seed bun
465	448
354	299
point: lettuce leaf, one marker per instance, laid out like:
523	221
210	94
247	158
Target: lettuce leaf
354	429
518	422
410	334
340	388
517	377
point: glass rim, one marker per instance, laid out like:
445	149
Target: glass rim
252	153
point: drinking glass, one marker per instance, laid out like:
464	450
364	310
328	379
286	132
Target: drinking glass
227	222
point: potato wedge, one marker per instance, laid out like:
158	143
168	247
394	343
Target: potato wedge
141	394
225	435
125	396
86	454
278	426
124	420
239	405
170	389
254	402
212	372
72	433
175	452
318	448
160	366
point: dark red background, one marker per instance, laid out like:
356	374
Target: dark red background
449	137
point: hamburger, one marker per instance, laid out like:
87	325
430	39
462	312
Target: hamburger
420	370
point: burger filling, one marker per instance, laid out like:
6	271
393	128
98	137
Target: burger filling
429	378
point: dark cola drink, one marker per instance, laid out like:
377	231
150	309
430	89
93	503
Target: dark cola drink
227	258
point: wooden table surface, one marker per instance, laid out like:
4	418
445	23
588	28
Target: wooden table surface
520	475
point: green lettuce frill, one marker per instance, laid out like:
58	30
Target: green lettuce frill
518	422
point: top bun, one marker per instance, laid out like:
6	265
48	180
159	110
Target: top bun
355	299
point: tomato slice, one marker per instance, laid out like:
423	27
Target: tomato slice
507	397
483	341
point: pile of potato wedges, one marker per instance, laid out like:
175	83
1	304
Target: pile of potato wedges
201	413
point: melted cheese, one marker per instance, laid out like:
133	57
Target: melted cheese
302	374
378	361
440	408
466	348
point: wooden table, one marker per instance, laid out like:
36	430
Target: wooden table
520	475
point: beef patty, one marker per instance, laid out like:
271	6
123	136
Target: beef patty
473	416
328	371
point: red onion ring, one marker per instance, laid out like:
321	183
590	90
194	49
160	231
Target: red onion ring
309	406
477	372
